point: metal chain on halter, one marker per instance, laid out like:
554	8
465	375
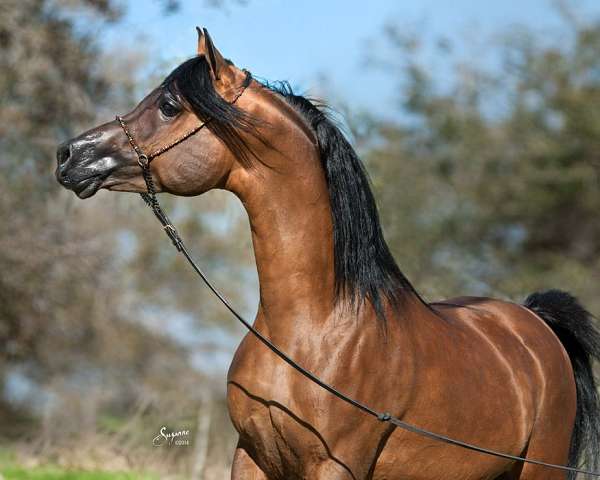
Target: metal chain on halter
151	200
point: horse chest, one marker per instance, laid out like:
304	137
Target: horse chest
264	398
278	439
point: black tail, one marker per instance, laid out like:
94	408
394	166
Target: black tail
573	325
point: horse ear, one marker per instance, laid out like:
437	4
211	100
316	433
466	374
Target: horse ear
207	48
201	46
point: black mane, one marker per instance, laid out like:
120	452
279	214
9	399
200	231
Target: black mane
364	266
192	81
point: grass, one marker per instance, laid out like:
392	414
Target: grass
54	473
11	470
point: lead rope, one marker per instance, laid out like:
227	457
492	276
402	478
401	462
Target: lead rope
151	201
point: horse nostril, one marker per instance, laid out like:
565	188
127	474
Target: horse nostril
63	153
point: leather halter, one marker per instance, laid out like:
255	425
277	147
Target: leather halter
384	417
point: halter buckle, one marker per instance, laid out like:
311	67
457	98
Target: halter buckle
143	160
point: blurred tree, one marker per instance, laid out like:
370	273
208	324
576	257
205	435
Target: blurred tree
172	6
68	313
489	180
84	334
63	316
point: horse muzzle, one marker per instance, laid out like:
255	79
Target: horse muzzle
84	163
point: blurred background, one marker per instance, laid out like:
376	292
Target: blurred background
479	123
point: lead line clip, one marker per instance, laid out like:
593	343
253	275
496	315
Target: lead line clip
384	417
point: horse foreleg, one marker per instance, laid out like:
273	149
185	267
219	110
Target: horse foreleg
244	468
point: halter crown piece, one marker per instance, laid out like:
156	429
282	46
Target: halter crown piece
384	417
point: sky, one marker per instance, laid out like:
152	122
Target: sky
306	41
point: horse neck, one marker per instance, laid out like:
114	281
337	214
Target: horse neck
292	235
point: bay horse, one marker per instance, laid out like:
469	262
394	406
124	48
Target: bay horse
514	378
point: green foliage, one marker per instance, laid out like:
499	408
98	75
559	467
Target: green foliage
11	470
490	182
54	473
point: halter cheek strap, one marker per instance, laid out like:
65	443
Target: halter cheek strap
145	159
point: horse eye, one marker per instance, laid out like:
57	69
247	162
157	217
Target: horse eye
168	109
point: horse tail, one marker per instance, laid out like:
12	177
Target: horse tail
573	325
